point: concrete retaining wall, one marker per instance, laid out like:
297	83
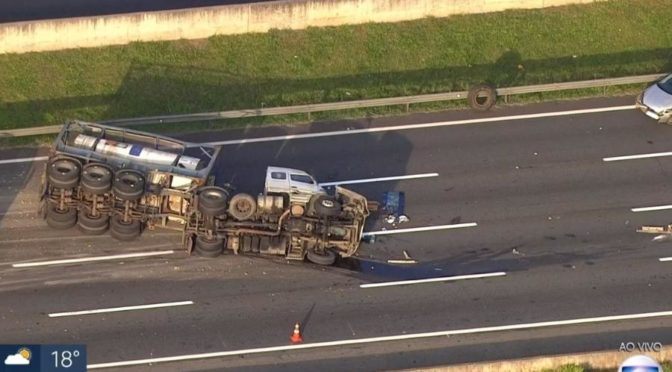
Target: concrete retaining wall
200	23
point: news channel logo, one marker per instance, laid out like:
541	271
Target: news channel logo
640	363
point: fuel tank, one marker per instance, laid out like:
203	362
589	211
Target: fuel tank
136	152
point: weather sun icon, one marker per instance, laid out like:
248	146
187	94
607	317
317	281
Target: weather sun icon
21	358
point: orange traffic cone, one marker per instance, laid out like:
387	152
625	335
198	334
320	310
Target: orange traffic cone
296	335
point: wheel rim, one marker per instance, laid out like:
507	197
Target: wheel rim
63	166
243	206
212	195
130	181
122	222
96	173
327	203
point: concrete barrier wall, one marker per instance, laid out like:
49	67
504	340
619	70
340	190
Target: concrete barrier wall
200	23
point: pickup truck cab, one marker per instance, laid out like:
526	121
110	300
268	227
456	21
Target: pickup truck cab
298	185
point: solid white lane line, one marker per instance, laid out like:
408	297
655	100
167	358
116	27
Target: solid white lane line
422	125
656	208
381	179
24	160
639	156
123	308
383	339
89	259
419	229
665	259
432	280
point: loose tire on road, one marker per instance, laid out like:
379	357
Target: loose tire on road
63	172
482	97
242	207
327	258
212	200
96	179
61	219
124	231
91	225
210	248
325	205
128	184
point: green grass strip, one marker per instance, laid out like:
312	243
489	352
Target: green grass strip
283	67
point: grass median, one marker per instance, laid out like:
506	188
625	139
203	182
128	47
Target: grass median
284	67
667	367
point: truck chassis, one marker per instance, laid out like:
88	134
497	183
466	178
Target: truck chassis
107	178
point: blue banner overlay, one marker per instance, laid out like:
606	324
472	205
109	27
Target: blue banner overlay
42	358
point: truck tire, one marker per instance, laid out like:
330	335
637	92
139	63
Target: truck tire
91	225
242	207
63	173
61	219
327	258
124	231
482	97
212	200
123	236
128	184
96	179
326	206
210	248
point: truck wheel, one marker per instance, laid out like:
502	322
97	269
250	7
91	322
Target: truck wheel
325	205
205	247
242	207
128	184
91	225
212	200
122	236
327	258
61	219
124	231
482	97
63	173
96	178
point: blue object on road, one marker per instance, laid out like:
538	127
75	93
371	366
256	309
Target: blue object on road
394	203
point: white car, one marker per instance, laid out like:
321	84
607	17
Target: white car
656	100
297	184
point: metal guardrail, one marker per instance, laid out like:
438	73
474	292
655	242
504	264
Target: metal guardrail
343	105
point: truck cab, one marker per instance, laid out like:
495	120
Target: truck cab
298	185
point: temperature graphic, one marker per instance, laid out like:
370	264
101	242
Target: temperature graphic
43	358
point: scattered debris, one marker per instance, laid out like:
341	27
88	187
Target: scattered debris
394	203
407	259
659	238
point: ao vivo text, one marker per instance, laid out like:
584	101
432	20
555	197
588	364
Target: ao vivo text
641	346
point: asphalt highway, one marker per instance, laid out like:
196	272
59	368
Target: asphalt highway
16	11
550	213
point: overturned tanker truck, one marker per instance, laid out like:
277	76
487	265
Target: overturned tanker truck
101	177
